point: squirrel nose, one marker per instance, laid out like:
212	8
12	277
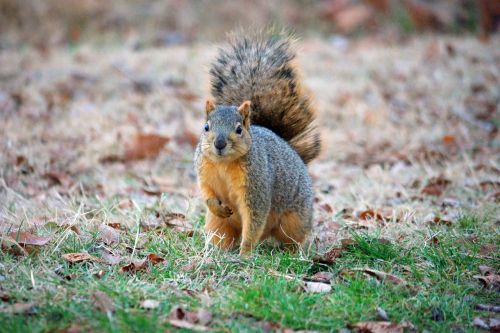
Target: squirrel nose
220	142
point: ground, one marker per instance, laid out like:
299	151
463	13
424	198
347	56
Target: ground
97	144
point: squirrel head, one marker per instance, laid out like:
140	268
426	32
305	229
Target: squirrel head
226	134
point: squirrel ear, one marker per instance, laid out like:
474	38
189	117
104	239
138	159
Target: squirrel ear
209	106
244	110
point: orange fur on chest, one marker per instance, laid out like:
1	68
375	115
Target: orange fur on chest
226	179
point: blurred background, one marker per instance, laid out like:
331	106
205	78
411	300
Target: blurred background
158	23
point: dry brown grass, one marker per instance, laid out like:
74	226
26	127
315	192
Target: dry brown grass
393	116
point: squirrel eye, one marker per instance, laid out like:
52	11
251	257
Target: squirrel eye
207	128
239	130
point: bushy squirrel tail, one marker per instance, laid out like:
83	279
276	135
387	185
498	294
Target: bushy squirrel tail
259	68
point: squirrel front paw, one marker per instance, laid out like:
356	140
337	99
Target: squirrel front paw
218	209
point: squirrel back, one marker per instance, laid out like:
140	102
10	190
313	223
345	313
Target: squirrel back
260	68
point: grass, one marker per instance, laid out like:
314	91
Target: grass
244	294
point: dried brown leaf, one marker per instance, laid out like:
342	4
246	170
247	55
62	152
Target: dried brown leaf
486	270
383	276
326	207
135	266
436	186
371	214
79	257
109	257
330	256
324	277
195	320
144	146
378	327
108	235
155	259
25	238
60	178
115	225
491	281
449	139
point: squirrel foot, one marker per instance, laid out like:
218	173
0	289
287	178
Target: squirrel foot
218	208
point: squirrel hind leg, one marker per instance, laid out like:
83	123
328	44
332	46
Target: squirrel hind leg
221	233
291	230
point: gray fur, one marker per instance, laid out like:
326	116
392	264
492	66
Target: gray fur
277	178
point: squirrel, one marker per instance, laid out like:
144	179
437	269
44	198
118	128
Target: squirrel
258	137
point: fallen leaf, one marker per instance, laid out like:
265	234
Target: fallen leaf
19	308
150	304
441	221
177	221
316	287
378	327
59	178
436	186
491	281
79	257
135	266
370	214
125	203
25	238
11	246
330	256
109	257
108	235
102	302
488	307
155	259
491	324
382	276
144	146
449	139
187	325
488	248
324	277
75	229
115	225
326	207
195	320
486	270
